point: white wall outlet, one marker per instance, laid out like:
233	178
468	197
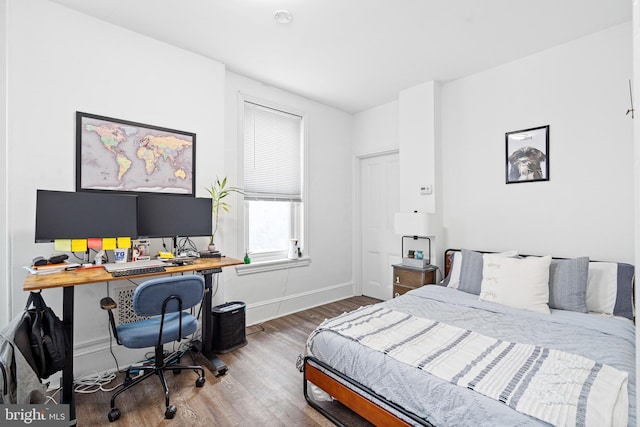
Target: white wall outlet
425	190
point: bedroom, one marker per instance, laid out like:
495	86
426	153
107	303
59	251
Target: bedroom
64	73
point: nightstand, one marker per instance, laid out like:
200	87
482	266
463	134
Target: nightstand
406	278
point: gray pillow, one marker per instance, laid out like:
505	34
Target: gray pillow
624	297
568	280
470	272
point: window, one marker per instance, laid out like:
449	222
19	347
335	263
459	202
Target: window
273	165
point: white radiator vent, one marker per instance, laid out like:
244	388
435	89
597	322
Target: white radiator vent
126	314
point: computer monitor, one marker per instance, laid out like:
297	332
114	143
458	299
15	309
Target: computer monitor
164	215
80	215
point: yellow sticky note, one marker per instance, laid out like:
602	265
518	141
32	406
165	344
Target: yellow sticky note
78	245
62	245
124	242
108	244
94	243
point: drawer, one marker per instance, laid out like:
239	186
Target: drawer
407	277
399	290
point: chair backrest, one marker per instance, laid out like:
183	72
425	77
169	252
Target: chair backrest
150	295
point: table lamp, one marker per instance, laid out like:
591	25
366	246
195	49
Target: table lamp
415	225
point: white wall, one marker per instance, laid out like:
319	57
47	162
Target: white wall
417	128
376	130
329	276
60	62
580	89
5	287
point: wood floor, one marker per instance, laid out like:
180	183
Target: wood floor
261	388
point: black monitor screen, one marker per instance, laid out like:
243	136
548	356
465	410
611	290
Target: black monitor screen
173	216
80	215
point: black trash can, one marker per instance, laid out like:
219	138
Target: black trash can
229	322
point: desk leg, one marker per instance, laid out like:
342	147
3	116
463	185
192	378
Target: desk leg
67	371
207	323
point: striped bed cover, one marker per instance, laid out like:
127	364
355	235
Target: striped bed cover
557	387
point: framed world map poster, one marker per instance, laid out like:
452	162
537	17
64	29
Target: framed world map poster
124	156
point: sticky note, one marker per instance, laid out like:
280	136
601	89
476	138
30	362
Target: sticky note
94	243
62	245
78	245
124	242
108	244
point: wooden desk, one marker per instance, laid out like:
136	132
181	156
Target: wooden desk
67	280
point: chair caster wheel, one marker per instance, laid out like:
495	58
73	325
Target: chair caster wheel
114	414
200	381
170	412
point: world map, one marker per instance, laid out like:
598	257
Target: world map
125	157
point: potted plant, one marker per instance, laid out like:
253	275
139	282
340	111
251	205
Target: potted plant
218	192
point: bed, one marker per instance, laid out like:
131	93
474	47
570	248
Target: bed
585	320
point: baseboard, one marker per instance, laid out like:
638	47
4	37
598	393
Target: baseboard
278	307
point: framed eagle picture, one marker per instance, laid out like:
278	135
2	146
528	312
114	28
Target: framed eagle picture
527	155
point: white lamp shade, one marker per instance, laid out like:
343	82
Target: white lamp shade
414	224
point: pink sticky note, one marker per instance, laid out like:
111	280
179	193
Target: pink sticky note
94	243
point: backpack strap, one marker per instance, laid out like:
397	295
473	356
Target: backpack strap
37	344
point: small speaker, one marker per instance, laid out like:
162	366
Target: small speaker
229	322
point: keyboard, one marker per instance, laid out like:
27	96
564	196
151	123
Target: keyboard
138	270
122	269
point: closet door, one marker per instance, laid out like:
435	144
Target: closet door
379	200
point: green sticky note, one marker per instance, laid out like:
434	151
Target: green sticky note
62	245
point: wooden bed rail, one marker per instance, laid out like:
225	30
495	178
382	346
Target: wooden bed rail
359	404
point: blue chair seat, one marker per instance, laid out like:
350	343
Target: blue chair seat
144	333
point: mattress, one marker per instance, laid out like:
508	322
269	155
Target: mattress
606	339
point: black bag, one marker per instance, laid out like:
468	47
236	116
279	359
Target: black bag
19	382
49	341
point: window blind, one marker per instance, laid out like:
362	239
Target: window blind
272	154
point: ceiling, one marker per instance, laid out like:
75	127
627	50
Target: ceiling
357	54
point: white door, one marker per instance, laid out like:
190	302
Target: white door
379	201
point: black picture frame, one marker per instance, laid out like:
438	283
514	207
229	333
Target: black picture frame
129	157
527	155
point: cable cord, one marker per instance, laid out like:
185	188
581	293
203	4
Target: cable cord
186	244
94	382
111	339
52	397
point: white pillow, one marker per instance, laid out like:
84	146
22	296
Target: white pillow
516	282
454	279
602	287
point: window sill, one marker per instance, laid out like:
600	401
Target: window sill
279	264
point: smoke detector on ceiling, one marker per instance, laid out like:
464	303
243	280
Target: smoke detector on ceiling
283	16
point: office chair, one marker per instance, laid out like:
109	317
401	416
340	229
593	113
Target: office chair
163	298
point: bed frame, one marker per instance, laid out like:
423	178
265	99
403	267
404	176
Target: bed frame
337	385
364	402
342	389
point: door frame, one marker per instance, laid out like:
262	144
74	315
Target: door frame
357	215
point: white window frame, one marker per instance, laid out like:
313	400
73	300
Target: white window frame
276	260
